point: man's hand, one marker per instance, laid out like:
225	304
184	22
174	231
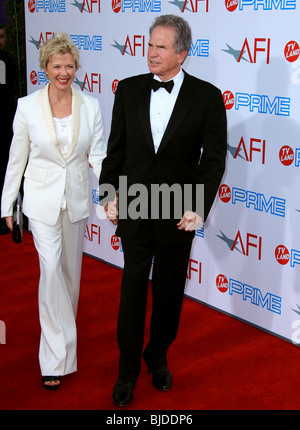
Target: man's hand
190	221
111	209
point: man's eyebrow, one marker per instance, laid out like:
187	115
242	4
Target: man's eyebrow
159	45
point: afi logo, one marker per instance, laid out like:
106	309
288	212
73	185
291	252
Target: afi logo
194	266
138	41
191	5
91	82
255	145
260	45
89	6
249	51
131	45
42	39
194	5
252	240
93	233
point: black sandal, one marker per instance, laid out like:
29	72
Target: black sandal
50	379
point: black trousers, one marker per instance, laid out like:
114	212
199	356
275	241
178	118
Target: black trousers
168	282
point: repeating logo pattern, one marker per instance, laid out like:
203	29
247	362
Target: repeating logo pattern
250	246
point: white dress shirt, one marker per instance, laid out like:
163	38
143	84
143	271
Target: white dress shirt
63	128
161	107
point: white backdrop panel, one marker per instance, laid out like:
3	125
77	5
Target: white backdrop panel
249	49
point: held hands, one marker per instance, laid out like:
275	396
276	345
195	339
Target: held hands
9	222
190	221
111	209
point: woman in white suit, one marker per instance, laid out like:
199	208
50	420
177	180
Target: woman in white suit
58	132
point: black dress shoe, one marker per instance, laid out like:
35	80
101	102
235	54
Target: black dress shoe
161	378
123	393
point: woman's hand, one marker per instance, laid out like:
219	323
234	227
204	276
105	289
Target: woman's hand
9	222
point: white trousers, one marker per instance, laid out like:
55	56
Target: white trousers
60	251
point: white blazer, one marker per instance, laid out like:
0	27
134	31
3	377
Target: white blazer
49	174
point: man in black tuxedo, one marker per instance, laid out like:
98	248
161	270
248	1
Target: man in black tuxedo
175	135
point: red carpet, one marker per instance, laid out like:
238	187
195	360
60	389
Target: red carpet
218	362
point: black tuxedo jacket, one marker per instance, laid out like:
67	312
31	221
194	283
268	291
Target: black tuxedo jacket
192	150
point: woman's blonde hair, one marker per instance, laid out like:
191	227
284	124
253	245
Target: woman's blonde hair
60	44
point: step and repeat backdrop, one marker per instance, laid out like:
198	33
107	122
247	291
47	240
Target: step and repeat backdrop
245	260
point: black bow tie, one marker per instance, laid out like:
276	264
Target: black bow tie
166	85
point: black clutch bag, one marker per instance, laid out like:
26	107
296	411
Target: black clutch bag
17	233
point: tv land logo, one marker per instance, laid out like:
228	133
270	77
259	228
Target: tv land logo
114	85
248	293
289	157
257	103
291	51
283	256
252	200
116	243
260	5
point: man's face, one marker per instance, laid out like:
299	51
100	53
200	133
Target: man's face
162	58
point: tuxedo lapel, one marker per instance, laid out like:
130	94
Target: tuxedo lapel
182	106
143	102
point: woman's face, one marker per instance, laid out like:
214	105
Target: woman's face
61	71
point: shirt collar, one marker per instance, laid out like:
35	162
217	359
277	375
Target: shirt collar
177	79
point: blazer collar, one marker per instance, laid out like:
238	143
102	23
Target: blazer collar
182	106
43	100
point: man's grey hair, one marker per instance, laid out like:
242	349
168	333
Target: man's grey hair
183	32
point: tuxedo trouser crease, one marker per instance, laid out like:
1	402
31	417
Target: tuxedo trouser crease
168	283
60	249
